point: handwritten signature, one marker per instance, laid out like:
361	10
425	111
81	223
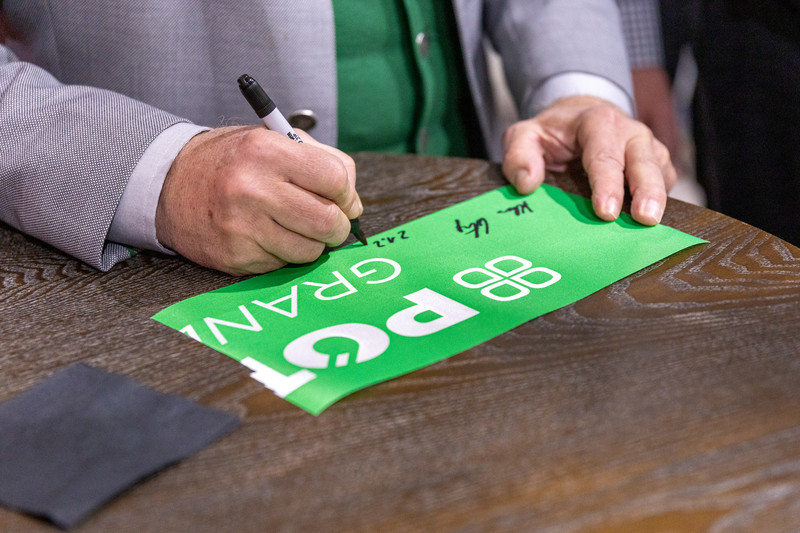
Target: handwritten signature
518	209
481	225
474	227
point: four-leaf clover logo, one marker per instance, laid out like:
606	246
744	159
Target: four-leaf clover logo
502	274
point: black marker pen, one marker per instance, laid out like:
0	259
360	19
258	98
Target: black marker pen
268	112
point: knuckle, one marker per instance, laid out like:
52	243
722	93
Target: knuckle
605	114
518	132
521	129
662	152
515	152
645	130
229	185
307	253
336	174
642	141
604	161
262	265
239	263
509	134
252	262
348	162
253	141
327	171
670	177
236	255
257	143
233	191
327	221
224	213
224	224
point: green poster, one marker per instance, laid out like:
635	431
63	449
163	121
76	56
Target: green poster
418	293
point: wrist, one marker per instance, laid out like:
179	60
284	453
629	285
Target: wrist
134	219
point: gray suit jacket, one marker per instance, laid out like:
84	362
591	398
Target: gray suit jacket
91	84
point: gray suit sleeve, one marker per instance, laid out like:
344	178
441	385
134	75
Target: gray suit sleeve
540	39
641	23
66	152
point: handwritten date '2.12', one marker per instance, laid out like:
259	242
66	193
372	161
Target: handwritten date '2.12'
385	241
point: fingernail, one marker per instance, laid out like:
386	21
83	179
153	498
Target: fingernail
652	210
521	177
611	207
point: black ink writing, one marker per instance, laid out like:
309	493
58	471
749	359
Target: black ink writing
518	209
473	227
385	241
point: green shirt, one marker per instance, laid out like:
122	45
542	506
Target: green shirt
401	80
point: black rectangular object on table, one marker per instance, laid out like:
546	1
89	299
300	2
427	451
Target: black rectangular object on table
74	441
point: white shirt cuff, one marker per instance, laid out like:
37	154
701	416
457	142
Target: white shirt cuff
580	83
134	222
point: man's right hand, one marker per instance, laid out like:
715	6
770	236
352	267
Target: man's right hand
246	200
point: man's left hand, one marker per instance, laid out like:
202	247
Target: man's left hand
615	150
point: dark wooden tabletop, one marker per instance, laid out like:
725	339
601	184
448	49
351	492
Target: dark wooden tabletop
669	401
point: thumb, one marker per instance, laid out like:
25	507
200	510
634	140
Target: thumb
523	161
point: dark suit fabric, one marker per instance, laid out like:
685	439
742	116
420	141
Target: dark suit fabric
747	110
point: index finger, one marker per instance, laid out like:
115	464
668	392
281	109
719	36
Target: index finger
347	161
311	168
602	138
648	171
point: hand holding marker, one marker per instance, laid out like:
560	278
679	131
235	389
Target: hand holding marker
268	112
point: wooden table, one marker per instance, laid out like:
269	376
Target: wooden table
669	401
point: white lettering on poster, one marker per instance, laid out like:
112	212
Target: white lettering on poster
273	305
450	313
394	274
189	330
212	324
340	280
372	342
278	383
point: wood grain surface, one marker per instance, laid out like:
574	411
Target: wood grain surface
669	401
